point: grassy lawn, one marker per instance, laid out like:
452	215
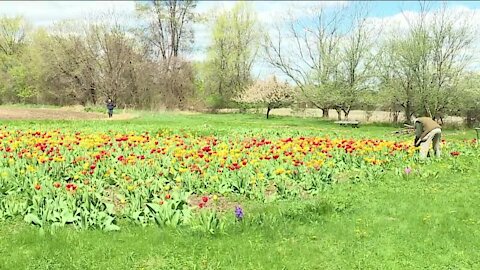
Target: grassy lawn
394	222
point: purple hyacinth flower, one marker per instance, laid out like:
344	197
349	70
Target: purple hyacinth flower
238	212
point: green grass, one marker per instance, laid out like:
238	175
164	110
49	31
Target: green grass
232	123
395	222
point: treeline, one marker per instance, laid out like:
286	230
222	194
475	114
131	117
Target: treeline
86	62
334	58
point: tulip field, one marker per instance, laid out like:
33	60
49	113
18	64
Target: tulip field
217	180
92	179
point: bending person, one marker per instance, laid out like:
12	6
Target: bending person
427	131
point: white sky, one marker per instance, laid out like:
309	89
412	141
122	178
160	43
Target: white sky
44	13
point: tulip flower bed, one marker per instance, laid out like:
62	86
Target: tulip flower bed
93	179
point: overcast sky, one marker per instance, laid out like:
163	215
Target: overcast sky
44	13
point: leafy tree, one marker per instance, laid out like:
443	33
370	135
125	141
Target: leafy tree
13	32
232	54
468	103
14	59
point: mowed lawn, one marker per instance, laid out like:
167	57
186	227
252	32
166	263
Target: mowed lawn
394	222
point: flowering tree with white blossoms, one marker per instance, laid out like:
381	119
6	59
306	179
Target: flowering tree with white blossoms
270	93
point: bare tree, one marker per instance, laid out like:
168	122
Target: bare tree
86	63
423	68
169	26
109	56
167	35
357	58
451	38
314	62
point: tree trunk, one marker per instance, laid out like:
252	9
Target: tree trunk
325	112
470	119
346	113
408	113
339	114
93	94
468	122
368	115
395	117
268	111
427	109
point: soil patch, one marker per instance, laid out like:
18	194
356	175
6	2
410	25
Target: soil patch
65	113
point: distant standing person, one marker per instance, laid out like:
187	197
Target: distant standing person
110	107
427	131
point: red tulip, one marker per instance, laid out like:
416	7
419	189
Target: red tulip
455	153
71	187
205	199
